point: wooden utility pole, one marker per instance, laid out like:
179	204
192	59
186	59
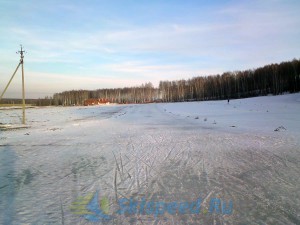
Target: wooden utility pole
23	85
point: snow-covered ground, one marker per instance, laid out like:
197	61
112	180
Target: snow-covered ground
161	152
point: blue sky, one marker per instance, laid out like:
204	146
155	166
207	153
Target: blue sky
92	44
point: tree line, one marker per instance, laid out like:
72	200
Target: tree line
271	79
140	94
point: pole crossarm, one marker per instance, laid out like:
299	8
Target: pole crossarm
21	53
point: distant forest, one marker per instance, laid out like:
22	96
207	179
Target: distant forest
272	79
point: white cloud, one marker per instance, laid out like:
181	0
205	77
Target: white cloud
242	35
234	30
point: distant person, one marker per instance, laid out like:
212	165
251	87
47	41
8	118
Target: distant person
228	100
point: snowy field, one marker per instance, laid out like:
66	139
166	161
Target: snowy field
246	153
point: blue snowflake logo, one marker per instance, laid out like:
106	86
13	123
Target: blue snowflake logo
91	209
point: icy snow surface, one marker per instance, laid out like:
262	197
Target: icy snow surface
167	151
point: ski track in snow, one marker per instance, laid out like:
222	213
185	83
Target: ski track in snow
157	151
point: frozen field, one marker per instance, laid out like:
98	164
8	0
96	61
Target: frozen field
246	152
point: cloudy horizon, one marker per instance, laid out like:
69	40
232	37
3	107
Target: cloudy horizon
110	44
